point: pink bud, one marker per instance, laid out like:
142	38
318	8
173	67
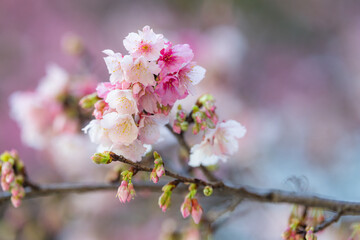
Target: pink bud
132	192
6	168
182	115
198	119
196	211
10	177
123	192
186	207
4	185
15	201
154	177
176	127
160	170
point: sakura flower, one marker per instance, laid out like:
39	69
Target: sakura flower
123	101
191	75
134	151
97	133
218	143
121	129
169	90
174	57
139	70
148	101
55	83
113	63
146	43
149	127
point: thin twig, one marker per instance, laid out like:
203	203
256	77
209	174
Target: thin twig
328	222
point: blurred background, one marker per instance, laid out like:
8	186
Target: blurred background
287	70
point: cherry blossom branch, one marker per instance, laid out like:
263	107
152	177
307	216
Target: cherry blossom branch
328	222
64	188
268	196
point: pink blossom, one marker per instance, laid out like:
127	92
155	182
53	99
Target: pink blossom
97	133
191	75
148	101
113	63
121	129
139	70
218	143
55	83
196	211
149	127
169	90
173	58
123	192
123	101
146	44
134	151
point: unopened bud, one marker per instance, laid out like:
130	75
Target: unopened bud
184	126
101	158
208	191
205	98
88	101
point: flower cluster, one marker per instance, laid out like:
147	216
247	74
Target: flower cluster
142	88
12	176
191	205
52	109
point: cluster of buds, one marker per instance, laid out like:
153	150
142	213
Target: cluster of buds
165	198
315	217
299	224
12	176
203	114
180	123
191	205
126	191
158	169
310	235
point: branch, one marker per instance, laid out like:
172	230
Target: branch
269	196
65	188
328	222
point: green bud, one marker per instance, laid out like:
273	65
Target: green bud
208	191
5	156
184	126
168	187
195	108
157	157
204	98
101	158
179	107
89	100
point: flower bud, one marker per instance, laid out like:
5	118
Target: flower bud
123	192
184	126
205	98
186	207
160	170
208	191
165	200
102	158
88	101
154	177
132	192
196	211
157	156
